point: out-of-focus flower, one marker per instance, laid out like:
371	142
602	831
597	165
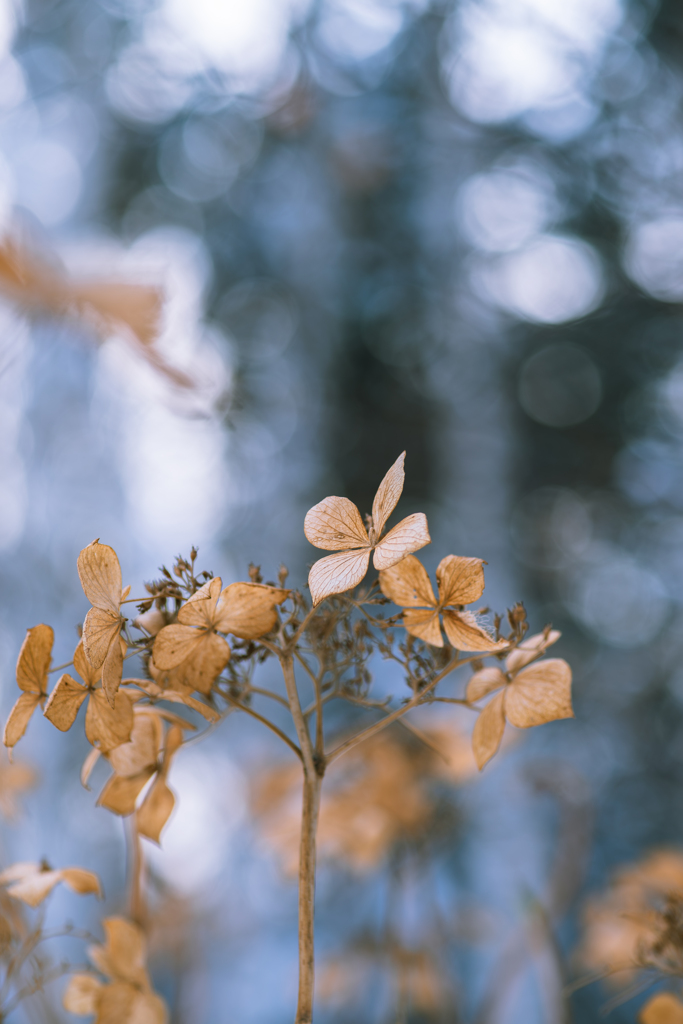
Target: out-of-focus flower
664	1008
32	882
127	997
335	524
15	779
33	666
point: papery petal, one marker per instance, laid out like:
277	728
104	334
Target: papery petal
82	994
16	872
155	811
86	671
208	659
388	493
424	623
174	644
34	659
199	609
144	746
120	793
484	682
530	649
335	574
64	702
116	1002
461	580
81	881
99	629
88	765
100	575
488	731
410	535
113	668
19	718
540	693
125	951
407	584
33	889
176	697
248	609
334	524
107	727
465	634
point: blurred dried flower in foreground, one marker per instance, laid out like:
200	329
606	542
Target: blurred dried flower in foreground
335	524
15	779
31	882
460	581
33	666
127	997
664	1008
638	922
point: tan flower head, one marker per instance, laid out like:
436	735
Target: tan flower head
100	575
31	882
147	754
460	581
107	725
664	1008
33	665
527	696
247	610
127	997
335	524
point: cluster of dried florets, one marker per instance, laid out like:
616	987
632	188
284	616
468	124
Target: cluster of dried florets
199	645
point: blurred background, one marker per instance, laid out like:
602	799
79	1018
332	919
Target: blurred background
452	227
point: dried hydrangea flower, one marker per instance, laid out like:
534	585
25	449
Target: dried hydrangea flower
31	882
100	575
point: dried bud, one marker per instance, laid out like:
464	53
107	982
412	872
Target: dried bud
255	573
517	615
282	574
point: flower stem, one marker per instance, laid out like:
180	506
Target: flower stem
307	857
136	867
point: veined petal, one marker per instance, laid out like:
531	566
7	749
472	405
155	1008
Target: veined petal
424	623
388	493
465	634
488	731
100	575
121	792
88	674
64	702
199	609
461	580
113	668
410	535
335	574
334	524
174	644
107	727
34	659
206	662
99	629
540	693
248	609
484	682
530	649
407	584
19	718
142	750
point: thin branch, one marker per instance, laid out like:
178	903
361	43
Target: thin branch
306	751
265	721
269	693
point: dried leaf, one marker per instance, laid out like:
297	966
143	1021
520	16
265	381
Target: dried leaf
461	580
82	994
34	659
248	609
540	693
100	575
100	631
465	633
155	810
335	524
335	574
19	718
407	584
388	493
411	534
484	682
488	731
120	793
530	649
664	1008
424	623
105	726
64	702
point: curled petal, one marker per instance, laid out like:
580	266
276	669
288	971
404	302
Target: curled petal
100	628
100	576
407	584
107	727
81	881
424	623
465	634
334	524
199	609
113	668
88	674
142	750
411	534
484	682
488	731
19	718
248	609
121	792
34	659
530	649
540	693
64	702
335	574
388	493
461	580
88	765
155	811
